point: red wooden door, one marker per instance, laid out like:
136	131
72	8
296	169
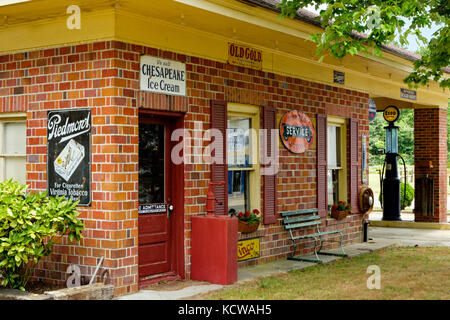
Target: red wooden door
155	227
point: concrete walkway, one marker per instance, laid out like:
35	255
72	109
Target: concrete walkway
249	273
411	237
379	238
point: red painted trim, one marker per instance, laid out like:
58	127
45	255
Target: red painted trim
171	276
172	120
156	113
270	214
219	172
322	164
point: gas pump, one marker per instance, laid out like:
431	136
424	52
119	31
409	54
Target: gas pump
390	186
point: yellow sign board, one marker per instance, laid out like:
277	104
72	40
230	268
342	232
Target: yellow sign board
391	113
243	56
248	249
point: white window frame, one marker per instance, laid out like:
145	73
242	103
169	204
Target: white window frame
10	118
342	169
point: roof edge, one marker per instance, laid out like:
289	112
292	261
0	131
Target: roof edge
312	18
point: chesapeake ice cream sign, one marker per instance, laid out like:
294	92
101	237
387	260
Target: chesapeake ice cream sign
163	76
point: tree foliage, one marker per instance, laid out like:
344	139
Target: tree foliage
28	224
448	136
353	26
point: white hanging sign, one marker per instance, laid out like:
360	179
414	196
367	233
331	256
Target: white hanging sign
162	76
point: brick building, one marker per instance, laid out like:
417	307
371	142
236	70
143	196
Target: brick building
98	69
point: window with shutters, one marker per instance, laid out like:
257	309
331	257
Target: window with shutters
336	160
13	147
242	157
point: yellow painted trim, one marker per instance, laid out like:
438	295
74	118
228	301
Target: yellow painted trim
52	32
253	112
130	27
242	108
225	9
13	116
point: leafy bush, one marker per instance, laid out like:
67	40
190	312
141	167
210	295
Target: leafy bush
409	195
28	224
404	202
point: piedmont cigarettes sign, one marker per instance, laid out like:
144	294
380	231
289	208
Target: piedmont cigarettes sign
162	76
69	154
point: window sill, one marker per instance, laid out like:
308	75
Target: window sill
332	221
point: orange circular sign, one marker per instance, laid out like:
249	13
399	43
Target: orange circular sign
296	131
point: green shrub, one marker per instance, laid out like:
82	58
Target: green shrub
404	202
28	224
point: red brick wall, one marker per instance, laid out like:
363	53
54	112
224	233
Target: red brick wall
430	145
88	75
104	76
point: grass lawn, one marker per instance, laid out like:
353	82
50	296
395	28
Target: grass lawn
406	273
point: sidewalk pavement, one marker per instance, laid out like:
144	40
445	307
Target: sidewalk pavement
379	238
376	217
412	237
247	273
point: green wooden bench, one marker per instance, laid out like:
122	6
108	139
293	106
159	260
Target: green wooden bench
295	220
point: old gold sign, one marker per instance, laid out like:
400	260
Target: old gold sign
244	56
391	113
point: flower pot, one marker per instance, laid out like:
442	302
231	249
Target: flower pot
338	214
245	227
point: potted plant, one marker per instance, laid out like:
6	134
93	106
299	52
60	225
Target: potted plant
247	222
341	210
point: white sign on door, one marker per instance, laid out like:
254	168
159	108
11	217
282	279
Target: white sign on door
163	76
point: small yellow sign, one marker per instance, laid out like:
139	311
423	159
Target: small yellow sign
244	56
248	249
391	113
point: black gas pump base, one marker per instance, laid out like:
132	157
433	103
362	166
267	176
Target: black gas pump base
391	215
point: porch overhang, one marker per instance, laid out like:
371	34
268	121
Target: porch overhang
204	28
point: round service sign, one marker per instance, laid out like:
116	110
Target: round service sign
296	131
391	113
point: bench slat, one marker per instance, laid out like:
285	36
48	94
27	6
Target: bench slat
293	220
303	211
316	234
304	224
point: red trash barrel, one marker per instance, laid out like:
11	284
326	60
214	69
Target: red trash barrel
214	249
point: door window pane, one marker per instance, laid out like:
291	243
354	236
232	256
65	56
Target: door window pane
151	163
